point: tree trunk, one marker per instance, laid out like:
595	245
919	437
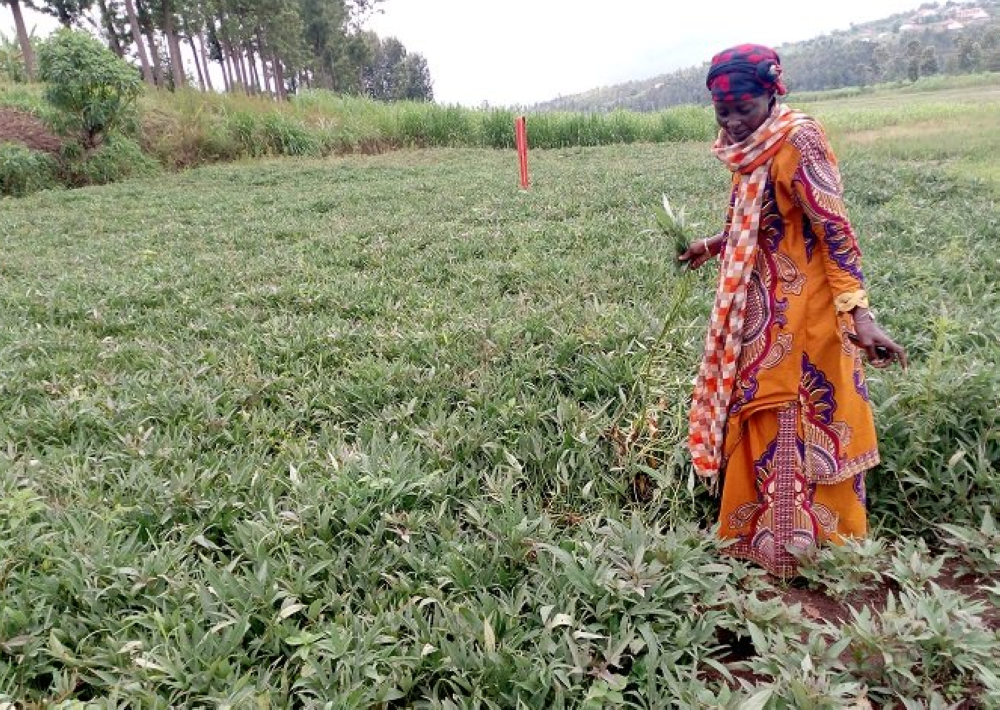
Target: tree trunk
265	74
146	22
279	78
227	80
197	64
235	72
176	59
173	46
109	26
140	47
205	62
154	51
23	39
239	77
241	62
254	76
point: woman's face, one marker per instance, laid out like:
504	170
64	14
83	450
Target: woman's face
740	118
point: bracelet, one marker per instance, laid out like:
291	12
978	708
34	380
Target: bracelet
870	314
704	243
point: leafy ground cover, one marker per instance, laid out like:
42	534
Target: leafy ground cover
332	433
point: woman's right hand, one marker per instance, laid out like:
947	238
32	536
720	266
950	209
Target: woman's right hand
698	252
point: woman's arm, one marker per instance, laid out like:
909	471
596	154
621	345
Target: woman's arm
830	236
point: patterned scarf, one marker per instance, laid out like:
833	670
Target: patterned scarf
751	160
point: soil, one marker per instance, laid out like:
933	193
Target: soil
26	129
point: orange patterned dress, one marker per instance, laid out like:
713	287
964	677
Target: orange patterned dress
799	434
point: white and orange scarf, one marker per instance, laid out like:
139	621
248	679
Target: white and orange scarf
751	160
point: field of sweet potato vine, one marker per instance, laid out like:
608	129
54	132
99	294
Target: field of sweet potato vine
334	433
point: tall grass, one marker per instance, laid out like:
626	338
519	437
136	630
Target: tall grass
189	128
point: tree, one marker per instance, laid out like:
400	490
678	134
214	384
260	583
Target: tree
913	57
393	74
929	62
22	38
108	20
417	79
169	29
68	12
140	46
881	59
94	89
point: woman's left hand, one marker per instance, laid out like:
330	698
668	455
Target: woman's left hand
880	349
699	252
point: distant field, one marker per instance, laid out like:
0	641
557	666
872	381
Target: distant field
330	433
955	127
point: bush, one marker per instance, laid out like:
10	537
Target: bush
271	133
95	90
24	171
118	159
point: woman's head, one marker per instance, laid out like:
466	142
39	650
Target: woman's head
743	81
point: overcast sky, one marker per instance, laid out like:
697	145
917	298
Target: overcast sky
525	51
519	52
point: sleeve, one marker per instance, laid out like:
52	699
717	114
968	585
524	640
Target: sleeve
818	190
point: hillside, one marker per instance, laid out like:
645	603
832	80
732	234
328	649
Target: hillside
952	38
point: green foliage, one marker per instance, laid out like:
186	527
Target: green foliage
24	171
393	74
27	98
924	644
366	466
94	89
188	129
118	158
257	134
843	571
976	549
12	67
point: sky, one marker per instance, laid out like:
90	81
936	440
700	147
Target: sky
521	52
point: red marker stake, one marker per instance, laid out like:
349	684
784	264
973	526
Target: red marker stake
521	138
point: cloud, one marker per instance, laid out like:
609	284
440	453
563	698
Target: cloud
520	52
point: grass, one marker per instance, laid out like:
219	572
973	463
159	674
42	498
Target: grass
329	433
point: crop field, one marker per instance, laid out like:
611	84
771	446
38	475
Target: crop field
333	433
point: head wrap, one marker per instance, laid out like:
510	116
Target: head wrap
744	72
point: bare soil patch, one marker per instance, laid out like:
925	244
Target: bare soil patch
26	129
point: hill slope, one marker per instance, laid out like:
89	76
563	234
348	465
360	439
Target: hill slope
951	38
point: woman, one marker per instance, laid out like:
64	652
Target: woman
780	407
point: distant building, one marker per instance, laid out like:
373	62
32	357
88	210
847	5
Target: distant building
971	14
954	25
909	27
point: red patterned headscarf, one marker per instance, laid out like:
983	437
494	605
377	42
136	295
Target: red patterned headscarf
745	72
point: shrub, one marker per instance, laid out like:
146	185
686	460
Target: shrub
285	136
24	171
95	90
118	159
179	141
